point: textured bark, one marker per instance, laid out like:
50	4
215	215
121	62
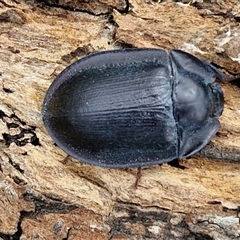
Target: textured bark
42	198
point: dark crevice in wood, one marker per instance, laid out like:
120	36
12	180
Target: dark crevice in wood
26	132
44	205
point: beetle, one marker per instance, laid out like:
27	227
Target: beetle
134	107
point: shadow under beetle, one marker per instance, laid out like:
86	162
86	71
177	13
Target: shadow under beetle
134	107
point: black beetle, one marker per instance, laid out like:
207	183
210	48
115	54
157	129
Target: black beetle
134	107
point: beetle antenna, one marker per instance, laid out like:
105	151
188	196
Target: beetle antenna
235	78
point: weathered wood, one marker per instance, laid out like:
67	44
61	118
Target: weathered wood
42	198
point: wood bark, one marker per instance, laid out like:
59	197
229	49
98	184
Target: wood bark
42	198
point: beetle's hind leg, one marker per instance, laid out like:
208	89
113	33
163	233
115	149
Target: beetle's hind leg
65	160
174	163
138	176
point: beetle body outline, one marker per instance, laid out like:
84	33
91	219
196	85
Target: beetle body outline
134	107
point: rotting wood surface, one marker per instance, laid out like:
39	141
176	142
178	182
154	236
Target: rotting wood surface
41	198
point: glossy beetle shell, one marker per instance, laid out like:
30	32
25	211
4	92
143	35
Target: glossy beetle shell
134	107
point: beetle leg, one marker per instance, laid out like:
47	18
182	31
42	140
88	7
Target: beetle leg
222	134
65	160
138	176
